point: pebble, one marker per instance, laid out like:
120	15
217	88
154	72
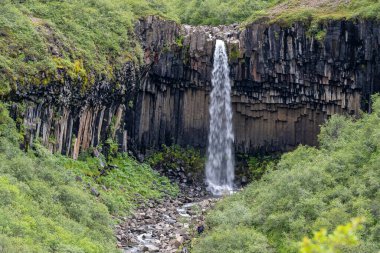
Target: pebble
164	226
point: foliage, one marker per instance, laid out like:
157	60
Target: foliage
254	167
235	240
47	41
344	236
216	12
173	157
179	41
313	188
47	202
317	12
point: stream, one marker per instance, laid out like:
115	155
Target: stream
163	226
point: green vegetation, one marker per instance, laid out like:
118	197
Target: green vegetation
318	12
51	203
215	12
236	240
309	189
44	41
123	184
343	237
254	167
174	157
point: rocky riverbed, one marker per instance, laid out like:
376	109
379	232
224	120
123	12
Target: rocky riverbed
163	226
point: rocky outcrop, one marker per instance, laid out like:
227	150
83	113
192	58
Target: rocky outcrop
285	82
68	119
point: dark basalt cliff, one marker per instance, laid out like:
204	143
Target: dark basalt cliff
69	120
285	84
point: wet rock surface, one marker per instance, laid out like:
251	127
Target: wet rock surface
166	225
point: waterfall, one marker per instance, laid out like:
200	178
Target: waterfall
220	164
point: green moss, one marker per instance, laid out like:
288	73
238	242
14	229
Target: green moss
276	35
179	41
234	52
320	36
166	48
316	31
130	104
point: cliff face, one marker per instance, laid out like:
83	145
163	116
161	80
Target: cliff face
69	120
285	84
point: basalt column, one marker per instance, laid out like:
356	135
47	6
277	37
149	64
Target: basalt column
285	82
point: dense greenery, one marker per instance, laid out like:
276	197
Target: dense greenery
339	241
309	189
254	167
215	12
50	203
318	12
43	41
174	157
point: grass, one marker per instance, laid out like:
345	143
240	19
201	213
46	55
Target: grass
309	189
124	187
47	202
42	42
285	12
316	12
50	42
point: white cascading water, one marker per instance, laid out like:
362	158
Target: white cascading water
220	164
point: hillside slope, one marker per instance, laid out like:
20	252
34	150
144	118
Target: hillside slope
44	42
51	203
309	189
215	12
52	41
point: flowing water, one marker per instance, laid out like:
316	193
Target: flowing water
220	164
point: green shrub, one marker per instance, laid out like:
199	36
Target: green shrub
234	240
313	188
48	41
46	203
254	167
173	157
343	239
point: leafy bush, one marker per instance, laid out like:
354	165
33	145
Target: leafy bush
47	202
313	188
234	240
254	167
343	239
173	157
